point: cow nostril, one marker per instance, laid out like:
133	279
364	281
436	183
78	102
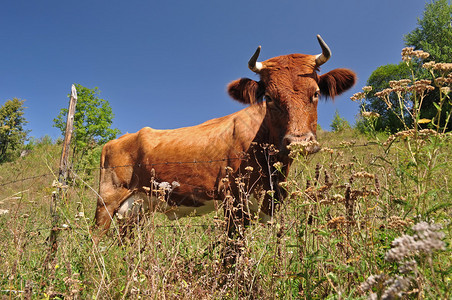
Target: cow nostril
299	138
307	141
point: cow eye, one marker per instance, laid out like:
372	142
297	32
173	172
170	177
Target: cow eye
272	103
316	95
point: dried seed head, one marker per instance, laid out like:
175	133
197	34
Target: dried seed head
421	54
302	148
397	223
278	165
443	67
399	83
337	223
423	133
370	115
422	86
409	53
440	81
367	89
358	96
363	174
347	143
328	150
271	193
383	93
283	184
445	90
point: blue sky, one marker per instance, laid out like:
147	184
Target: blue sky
166	64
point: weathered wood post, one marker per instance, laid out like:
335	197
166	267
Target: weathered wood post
61	185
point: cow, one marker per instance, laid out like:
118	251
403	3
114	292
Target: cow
230	159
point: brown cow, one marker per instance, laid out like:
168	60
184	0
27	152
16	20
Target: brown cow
210	163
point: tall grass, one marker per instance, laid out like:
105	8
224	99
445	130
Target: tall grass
368	216
346	205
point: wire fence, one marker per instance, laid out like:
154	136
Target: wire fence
69	227
163	163
75	172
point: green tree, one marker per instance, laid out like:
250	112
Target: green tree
433	35
92	122
339	123
12	132
379	80
434	31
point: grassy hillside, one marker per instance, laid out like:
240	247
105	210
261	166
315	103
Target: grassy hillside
331	239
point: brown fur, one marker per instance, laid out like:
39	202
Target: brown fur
196	157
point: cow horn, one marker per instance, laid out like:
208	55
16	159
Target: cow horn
253	64
326	52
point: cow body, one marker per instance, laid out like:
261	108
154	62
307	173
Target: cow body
203	165
194	157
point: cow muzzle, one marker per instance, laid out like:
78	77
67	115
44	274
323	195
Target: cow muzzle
304	144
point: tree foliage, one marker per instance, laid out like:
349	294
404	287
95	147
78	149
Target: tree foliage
379	80
339	123
434	31
433	35
12	132
92	121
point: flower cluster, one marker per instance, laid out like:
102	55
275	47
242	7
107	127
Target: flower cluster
162	190
347	143
442	67
403	86
302	148
371	281
361	95
397	223
396	287
370	114
363	174
395	84
358	96
423	133
367	89
409	53
337	223
444	80
427	239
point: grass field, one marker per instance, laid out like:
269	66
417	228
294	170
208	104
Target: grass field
331	239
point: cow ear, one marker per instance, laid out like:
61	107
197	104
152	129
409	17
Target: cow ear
245	90
336	82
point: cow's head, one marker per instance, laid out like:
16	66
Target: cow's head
291	88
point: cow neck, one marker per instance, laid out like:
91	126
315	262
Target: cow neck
274	127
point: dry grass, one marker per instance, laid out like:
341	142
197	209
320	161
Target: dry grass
346	205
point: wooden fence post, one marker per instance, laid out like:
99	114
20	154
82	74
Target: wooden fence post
59	194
